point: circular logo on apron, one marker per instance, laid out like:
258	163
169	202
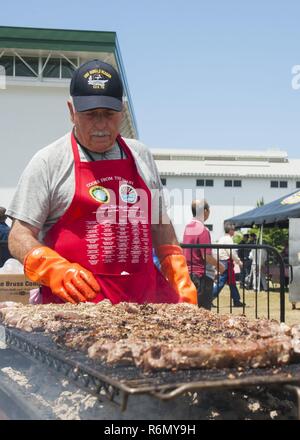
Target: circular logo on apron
291	200
127	193
100	194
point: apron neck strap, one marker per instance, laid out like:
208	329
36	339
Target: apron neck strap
88	152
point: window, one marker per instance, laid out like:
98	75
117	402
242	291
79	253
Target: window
202	182
8	64
52	68
163	181
298	184
274	183
283	184
58	67
19	65
67	68
227	182
237	183
27	66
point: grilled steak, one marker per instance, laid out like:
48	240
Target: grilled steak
159	336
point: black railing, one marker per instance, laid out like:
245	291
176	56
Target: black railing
274	271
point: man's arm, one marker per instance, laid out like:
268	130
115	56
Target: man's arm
173	262
236	258
163	234
213	261
69	281
22	239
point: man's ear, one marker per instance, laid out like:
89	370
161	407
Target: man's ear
71	110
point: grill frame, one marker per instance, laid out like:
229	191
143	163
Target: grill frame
117	383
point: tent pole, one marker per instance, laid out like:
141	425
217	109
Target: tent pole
259	257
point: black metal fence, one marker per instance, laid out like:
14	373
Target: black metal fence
266	272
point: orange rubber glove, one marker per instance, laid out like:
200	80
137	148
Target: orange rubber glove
69	281
175	270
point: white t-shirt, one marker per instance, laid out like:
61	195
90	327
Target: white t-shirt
224	254
46	188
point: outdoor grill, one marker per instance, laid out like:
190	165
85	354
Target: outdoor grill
117	383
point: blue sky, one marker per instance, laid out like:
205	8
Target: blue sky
202	74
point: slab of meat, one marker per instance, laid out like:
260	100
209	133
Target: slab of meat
159	336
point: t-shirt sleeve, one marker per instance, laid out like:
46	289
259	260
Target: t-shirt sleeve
30	202
204	238
148	168
153	177
159	203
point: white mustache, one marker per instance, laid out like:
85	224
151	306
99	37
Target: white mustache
100	133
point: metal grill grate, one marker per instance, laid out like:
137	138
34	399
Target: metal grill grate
116	383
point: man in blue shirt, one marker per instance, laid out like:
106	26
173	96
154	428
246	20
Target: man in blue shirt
4	231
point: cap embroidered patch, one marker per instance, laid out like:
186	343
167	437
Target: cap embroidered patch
97	78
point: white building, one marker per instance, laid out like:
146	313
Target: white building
35	70
231	181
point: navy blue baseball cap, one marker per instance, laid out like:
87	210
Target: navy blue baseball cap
96	84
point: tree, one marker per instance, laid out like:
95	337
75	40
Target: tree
275	236
260	202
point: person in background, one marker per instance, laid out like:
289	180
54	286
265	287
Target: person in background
258	258
4	231
285	252
227	258
83	208
253	238
201	262
243	255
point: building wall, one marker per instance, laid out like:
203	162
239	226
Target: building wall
224	201
31	117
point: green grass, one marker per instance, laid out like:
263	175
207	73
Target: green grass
291	316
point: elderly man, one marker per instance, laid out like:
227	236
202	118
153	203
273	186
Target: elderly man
83	208
227	258
201	262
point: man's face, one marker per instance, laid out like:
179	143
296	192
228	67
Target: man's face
96	129
206	213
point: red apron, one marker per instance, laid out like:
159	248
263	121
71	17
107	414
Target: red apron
107	230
